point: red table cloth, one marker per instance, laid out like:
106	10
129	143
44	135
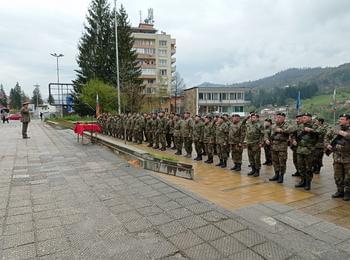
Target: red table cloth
80	128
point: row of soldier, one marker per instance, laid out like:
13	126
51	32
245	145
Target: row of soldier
308	138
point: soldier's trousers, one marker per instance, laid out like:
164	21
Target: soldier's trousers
156	139
188	144
342	176
209	150
199	147
305	162
223	151
295	158
24	129
149	137
318	157
254	154
268	153
139	136
178	143
236	153
169	139
162	140
279	161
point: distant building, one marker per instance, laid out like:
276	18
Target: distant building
203	100
155	55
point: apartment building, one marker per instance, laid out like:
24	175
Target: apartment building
155	54
204	100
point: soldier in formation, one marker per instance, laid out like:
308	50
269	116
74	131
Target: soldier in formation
307	138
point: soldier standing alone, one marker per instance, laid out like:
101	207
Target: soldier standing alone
25	119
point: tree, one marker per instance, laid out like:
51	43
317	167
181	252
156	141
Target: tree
51	100
97	60
16	96
177	87
36	98
3	97
106	95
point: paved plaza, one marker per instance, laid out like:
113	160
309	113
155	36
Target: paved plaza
64	200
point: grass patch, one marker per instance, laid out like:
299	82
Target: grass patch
161	157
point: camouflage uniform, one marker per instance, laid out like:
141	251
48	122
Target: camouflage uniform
267	148
148	131
254	139
178	136
170	132
155	132
162	132
209	139
221	137
319	149
138	129
306	147
341	160
186	132
279	146
236	137
198	132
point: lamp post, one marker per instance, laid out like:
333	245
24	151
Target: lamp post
57	56
116	54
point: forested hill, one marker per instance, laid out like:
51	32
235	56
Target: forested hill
325	78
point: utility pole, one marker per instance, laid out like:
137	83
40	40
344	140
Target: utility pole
37	94
58	77
117	54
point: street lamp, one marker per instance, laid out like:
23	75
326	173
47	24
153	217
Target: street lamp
58	76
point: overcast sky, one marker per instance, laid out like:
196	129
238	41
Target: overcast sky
221	41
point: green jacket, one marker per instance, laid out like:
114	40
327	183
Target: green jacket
341	151
254	132
198	131
307	140
221	134
25	115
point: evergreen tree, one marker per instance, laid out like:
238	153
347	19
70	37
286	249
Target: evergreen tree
3	97
16	97
51	100
36	98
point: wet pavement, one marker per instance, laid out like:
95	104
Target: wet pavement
64	200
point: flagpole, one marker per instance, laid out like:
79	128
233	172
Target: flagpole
334	104
116	54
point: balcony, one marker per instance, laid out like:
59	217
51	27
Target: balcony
173	51
173	60
223	102
173	69
173	42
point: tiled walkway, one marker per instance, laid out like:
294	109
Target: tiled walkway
63	200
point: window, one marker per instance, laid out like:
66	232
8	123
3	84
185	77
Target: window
209	96
148	72
215	96
200	96
162	43
223	96
239	96
162	52
232	96
150	81
163	72
238	109
163	62
150	51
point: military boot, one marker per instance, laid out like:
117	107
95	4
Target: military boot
220	163
234	167
307	185
301	184
224	164
275	177
338	194
346	196
257	173
238	167
199	158
178	153
280	178
252	172
209	161
296	174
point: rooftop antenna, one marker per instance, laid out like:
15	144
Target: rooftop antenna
140	16
150	17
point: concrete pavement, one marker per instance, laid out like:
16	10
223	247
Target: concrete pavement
63	200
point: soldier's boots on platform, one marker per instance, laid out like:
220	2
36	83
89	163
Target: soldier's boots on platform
338	194
346	196
220	163
209	161
198	158
307	185
252	172
224	164
280	178
178	153
234	167
257	173
301	184
238	167
275	177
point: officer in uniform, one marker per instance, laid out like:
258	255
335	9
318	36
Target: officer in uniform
338	141
294	145
25	119
148	130
221	137
178	125
209	138
187	134
236	137
198	134
162	130
170	131
278	140
306	138
254	138
155	131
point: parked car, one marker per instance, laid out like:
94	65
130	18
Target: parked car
16	116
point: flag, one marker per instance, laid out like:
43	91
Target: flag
335	100
97	107
298	103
